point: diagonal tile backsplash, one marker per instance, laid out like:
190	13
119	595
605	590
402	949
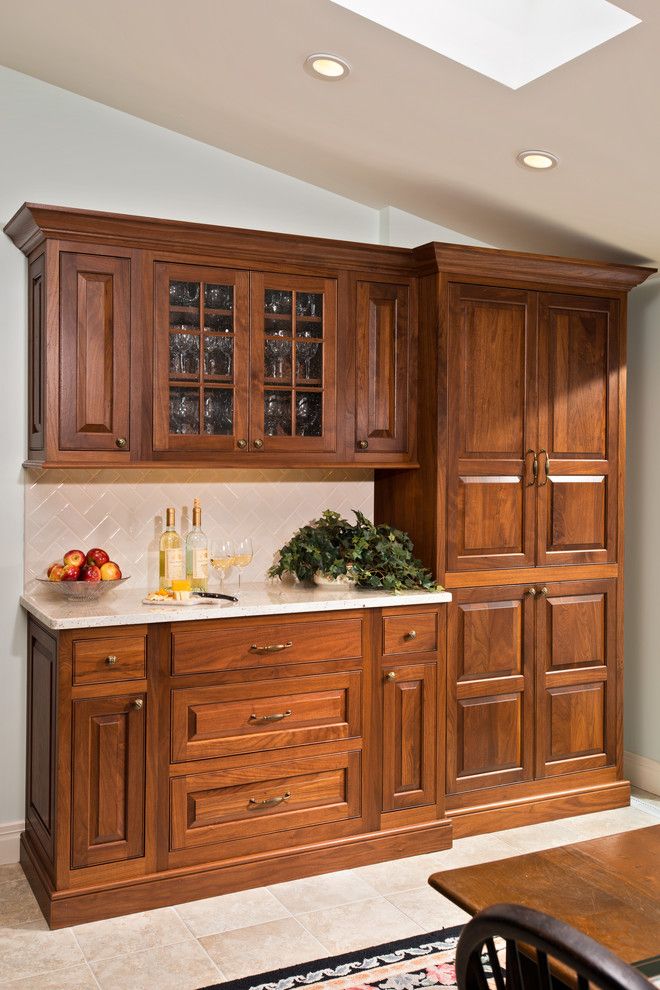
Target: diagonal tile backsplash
123	511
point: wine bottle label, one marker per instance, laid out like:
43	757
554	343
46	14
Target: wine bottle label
174	565
200	564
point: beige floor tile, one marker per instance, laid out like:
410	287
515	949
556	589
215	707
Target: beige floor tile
547	835
264	947
472	850
354	926
11	871
132	933
73	978
428	909
31	949
328	890
229	911
185	966
17	903
602	823
399	874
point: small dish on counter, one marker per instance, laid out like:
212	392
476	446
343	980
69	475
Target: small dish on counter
82	591
185	602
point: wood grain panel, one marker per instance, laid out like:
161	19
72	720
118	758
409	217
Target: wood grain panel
577	514
95	327
575	726
41	736
36	354
104	659
409	736
489	735
578	630
491	639
410	632
493	516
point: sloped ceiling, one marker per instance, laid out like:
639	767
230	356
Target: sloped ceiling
408	128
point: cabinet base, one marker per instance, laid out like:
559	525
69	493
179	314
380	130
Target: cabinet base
73	907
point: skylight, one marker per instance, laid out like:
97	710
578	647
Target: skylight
511	41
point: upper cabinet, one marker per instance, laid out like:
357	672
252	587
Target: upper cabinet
533	427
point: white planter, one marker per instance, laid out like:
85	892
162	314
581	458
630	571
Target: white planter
343	582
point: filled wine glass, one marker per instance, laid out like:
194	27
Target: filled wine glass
243	556
222	558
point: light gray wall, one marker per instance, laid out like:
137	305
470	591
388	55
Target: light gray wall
642	679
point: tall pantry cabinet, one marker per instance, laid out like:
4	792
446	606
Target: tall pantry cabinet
518	507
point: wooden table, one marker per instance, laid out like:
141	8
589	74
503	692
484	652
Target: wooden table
608	888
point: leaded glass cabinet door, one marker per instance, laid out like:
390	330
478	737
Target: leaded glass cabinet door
292	398
201	376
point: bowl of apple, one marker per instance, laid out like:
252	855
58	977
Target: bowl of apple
84	576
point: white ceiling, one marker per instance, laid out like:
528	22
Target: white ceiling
408	128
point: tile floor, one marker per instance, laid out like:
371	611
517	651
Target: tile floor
222	938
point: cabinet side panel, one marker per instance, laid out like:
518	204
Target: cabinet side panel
36	343
41	728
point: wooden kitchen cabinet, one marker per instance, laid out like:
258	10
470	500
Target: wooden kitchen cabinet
409	735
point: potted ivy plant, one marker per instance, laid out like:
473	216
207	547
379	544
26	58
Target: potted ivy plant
332	551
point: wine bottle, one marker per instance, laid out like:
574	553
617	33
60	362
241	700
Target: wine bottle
197	552
171	562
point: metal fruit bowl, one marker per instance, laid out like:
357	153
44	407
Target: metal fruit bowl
82	591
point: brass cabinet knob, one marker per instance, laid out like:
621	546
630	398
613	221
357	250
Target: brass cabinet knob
121	442
411	634
531	592
111	660
543	591
241	444
390	675
138	703
363	444
258	444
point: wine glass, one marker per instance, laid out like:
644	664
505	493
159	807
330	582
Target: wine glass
243	556
223	557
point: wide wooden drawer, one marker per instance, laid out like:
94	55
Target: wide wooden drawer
224	720
244	802
410	632
114	657
233	645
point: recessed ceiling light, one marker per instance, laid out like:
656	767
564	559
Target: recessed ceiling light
537	159
331	68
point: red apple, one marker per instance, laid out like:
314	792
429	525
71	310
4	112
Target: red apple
97	556
74	558
90	572
110	571
55	572
70	573
52	568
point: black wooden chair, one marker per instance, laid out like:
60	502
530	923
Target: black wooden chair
582	960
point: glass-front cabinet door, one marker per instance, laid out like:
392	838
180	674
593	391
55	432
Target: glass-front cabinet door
201	374
293	362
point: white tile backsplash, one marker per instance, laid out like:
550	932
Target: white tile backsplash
123	511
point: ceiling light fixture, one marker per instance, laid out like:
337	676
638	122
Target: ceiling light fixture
537	159
330	68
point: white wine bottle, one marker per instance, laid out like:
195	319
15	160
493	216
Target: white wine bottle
197	552
171	562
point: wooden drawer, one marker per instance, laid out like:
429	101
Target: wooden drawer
410	632
110	658
246	718
245	802
230	645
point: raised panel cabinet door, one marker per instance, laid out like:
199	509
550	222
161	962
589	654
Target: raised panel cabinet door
409	735
201	353
490	687
95	339
578	429
293	360
108	780
382	363
492	417
576	676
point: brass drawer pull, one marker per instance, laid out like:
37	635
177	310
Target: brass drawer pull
270	718
258	444
274	648
363	444
546	468
138	703
121	442
269	802
411	635
111	660
241	444
531	592
543	592
535	467
390	675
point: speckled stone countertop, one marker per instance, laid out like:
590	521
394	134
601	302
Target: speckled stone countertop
123	606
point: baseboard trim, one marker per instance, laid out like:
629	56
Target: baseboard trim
642	772
10	836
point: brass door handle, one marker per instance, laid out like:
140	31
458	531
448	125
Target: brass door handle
363	444
535	467
258	444
543	592
138	703
121	442
268	802
270	718
412	634
531	592
546	468
111	660
274	648
390	675
241	444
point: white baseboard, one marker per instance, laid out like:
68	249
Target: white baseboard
642	772
10	833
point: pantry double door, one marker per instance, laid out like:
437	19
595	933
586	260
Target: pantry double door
533	428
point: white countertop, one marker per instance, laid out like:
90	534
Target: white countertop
123	606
